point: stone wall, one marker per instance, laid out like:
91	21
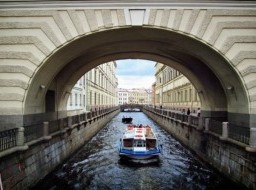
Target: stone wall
229	158
22	170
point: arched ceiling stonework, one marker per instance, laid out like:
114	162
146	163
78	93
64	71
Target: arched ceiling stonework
214	48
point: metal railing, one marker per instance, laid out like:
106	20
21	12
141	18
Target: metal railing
33	132
10	138
185	118
54	126
239	133
194	120
220	127
75	119
215	126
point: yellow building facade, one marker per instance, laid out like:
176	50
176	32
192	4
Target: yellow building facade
139	96
173	90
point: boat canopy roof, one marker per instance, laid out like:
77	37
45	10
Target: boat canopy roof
139	133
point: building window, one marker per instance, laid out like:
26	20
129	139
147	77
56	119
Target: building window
90	97
71	99
75	99
190	94
95	98
95	76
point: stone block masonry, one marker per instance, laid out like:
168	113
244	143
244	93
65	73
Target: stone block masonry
227	156
22	170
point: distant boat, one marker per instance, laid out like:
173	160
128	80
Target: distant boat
127	119
127	110
139	142
131	110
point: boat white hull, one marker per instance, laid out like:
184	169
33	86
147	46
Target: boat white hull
139	142
139	155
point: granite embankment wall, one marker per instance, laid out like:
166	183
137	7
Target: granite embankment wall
23	169
228	156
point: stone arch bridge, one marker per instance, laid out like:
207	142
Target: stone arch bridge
45	47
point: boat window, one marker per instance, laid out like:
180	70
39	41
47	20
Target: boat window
139	143
151	143
127	142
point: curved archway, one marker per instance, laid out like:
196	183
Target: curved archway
220	88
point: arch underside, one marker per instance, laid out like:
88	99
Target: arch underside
209	72
214	48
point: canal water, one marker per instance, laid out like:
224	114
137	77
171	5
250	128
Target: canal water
97	166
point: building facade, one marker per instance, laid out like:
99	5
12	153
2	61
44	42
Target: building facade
135	96
123	95
153	94
77	97
173	90
96	89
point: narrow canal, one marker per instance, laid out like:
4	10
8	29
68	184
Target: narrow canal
97	165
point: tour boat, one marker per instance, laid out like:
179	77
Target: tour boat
126	119
139	142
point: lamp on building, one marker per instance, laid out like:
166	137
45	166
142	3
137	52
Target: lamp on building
230	88
42	86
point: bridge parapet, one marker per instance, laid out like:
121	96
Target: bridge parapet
216	126
21	138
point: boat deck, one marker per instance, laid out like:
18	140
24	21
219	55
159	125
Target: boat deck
139	132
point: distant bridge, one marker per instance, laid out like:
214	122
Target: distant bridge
131	107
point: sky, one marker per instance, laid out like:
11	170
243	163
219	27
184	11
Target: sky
135	73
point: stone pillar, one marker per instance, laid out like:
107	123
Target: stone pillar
20	137
206	124
252	141
46	128
189	120
85	116
224	131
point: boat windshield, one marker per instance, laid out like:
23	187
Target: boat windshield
127	142
139	143
151	143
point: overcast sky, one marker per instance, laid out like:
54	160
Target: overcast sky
135	73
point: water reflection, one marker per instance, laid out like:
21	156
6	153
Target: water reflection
98	166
